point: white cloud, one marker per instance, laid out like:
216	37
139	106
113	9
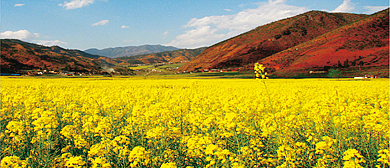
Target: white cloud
346	6
199	37
50	43
167	32
74	4
21	35
211	29
124	27
100	23
374	9
242	5
16	5
229	10
126	41
25	35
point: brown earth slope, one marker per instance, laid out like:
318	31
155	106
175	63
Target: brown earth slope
269	39
364	43
17	55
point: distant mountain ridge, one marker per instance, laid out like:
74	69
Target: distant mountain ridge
130	50
17	56
182	55
269	39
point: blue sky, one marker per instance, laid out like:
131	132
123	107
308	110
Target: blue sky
84	24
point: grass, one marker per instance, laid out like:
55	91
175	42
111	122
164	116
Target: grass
158	67
142	67
171	65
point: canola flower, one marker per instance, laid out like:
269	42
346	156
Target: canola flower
124	122
13	161
260	71
353	159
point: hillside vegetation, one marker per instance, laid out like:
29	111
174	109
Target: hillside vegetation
310	41
269	39
361	44
17	55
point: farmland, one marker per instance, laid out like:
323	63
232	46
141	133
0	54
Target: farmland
136	122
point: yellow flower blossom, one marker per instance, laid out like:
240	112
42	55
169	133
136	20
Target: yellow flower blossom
139	156
353	159
168	165
13	161
136	122
75	162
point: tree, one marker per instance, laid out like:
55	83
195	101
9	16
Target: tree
339	64
346	64
44	67
361	63
353	63
334	73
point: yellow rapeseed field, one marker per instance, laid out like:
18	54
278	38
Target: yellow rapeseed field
125	122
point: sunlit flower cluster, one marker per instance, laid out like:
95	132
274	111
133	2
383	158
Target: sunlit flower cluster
125	122
260	71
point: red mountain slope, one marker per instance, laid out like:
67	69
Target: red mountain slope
269	39
363	43
17	55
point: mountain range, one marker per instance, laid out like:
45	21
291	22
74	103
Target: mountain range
18	55
312	41
130	50
307	41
